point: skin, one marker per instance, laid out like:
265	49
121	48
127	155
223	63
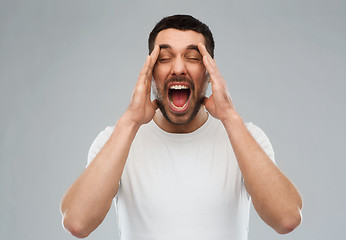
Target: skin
87	201
275	198
179	57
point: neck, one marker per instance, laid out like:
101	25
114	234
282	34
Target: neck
200	118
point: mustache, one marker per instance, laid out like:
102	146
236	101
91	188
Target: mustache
180	79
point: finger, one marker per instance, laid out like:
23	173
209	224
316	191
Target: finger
207	64
206	55
215	78
208	61
144	71
203	50
212	70
153	56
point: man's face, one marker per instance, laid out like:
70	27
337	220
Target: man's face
180	78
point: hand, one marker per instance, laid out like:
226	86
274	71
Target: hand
141	109
219	104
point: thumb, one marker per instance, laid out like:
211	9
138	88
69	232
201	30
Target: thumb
205	99
155	104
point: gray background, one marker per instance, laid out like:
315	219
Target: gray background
67	70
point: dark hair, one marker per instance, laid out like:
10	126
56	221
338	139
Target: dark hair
184	23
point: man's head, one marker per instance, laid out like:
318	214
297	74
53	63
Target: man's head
180	77
184	23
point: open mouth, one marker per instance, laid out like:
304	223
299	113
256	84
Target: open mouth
179	95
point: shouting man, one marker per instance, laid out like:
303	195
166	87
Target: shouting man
183	166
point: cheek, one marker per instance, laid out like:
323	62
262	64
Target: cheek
198	66
161	71
197	71
158	78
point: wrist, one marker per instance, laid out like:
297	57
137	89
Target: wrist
127	121
233	119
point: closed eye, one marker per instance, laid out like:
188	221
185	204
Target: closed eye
193	56
163	60
193	59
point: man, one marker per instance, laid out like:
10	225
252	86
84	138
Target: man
183	166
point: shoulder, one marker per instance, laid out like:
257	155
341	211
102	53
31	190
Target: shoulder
105	133
99	142
255	130
103	136
261	138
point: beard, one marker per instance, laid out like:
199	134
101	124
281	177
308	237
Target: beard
161	97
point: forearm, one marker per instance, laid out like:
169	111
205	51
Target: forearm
274	197
87	201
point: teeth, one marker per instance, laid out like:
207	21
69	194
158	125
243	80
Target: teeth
179	108
178	87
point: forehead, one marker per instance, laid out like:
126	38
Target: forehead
179	39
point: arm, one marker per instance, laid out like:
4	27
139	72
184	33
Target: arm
274	197
87	201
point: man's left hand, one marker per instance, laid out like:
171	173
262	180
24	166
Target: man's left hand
219	104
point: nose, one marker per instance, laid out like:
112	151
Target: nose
178	68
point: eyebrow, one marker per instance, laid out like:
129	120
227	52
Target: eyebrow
165	46
190	47
193	47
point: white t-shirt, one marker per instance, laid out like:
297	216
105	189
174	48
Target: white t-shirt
182	186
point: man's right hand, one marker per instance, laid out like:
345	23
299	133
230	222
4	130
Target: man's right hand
141	109
87	201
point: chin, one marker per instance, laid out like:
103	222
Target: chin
179	118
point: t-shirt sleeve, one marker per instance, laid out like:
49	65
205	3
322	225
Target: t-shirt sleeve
98	143
262	139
